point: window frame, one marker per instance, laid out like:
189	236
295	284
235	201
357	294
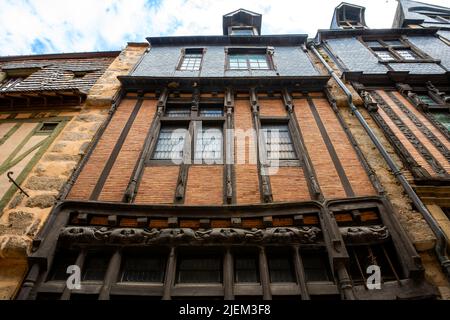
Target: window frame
267	52
297	162
392	50
190	123
253	29
187	51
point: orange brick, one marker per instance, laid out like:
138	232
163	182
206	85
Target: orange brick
327	176
123	168
88	177
289	184
158	185
247	181
204	185
357	176
272	108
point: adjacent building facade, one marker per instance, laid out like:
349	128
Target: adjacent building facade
51	107
402	74
229	169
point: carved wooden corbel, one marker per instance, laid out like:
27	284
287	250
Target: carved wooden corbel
369	103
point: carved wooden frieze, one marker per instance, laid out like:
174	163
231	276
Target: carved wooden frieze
436	166
364	235
125	236
424	129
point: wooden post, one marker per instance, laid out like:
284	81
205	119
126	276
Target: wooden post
265	277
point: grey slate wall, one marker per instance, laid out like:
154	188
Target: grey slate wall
356	57
162	62
434	47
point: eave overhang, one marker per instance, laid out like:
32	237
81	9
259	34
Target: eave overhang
325	34
393	77
143	84
269	40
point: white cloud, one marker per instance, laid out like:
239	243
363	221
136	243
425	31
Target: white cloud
32	26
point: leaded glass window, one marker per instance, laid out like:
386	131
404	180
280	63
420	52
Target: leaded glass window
199	269
278	142
281	269
246	268
207	111
316	266
170	143
60	263
95	266
209	143
143	268
178	111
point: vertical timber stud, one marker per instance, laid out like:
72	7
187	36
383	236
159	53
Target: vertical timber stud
261	156
29	282
170	275
80	263
313	185
229	145
228	275
111	275
131	190
265	277
188	148
301	279
337	251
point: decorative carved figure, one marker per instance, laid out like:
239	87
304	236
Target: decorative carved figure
364	235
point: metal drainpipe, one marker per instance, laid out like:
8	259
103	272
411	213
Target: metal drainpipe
441	245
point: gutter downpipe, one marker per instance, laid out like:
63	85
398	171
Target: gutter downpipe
441	245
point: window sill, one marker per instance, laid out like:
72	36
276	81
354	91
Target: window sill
410	61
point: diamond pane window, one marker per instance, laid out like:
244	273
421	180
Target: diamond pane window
95	267
281	269
211	111
170	143
143	269
196	269
246	269
407	54
278	142
316	266
192	60
385	55
209	143
178	111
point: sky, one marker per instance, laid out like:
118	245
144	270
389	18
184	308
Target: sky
57	26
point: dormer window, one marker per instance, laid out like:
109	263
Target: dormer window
242	31
348	16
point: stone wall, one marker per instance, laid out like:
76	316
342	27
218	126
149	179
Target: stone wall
105	88
23	217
